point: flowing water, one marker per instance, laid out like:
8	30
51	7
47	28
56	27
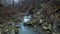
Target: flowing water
24	29
29	30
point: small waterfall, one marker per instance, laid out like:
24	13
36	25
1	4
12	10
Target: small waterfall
26	18
23	28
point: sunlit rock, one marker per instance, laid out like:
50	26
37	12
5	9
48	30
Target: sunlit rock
41	21
49	26
35	25
45	28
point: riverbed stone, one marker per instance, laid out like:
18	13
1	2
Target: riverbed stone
44	27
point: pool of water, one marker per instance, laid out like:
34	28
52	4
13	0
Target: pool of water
30	30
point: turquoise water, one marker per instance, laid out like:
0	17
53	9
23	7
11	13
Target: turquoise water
30	30
25	29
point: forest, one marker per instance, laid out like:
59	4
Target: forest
29	16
